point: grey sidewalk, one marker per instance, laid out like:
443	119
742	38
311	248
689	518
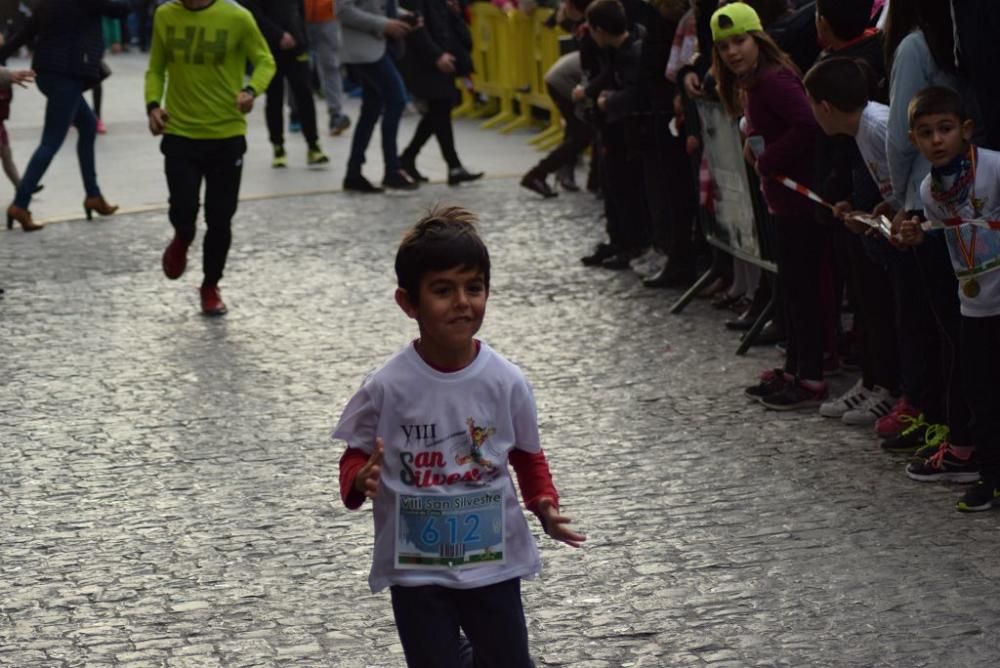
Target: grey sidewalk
169	497
130	167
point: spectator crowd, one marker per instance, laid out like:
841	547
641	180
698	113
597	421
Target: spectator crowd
868	135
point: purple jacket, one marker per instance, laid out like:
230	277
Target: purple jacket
777	109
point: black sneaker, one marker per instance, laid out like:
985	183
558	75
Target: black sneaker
944	465
771	382
618	261
409	165
600	254
795	396
360	184
458	175
338	125
910	440
535	181
979	498
399	181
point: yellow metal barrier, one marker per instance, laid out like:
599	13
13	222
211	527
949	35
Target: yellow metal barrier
511	52
491	71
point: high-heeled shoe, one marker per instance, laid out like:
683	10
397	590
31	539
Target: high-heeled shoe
23	216
98	204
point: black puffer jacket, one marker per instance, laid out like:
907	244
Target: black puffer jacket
444	31
67	37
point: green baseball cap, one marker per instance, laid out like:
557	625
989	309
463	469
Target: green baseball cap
739	18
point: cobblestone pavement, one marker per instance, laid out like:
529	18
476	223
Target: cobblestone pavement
168	493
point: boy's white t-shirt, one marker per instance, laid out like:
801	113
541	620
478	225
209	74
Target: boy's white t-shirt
983	202
870	139
446	435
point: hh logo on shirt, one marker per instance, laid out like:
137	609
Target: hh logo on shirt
192	46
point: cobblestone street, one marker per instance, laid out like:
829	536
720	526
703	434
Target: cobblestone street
168	492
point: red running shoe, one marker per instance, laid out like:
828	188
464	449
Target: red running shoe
175	259
211	301
902	416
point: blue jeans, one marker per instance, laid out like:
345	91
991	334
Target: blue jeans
64	107
382	94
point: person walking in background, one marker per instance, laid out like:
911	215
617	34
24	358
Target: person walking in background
437	52
67	60
282	23
7	80
367	25
196	99
111	29
323	31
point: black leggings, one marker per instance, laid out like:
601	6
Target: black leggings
435	121
219	162
296	70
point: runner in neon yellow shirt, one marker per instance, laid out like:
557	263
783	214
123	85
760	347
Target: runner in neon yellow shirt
196	99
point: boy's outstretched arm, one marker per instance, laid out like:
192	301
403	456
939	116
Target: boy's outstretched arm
540	495
359	474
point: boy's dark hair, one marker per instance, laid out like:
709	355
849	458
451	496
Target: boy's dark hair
769	11
581	5
935	100
608	15
443	239
845	83
847	18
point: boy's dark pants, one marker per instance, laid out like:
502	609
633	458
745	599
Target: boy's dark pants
980	371
941	290
428	619
801	245
622	183
219	163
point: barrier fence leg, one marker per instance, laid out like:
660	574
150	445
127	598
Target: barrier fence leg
692	292
748	339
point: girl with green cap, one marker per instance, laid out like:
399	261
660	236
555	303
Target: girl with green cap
758	80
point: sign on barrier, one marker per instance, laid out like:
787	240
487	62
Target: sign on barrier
739	211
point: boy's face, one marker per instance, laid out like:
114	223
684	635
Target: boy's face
941	137
451	307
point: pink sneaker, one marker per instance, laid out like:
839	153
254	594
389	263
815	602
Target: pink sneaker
100	127
899	418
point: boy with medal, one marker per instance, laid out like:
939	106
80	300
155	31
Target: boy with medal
429	435
964	185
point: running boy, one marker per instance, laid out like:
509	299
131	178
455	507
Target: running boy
429	436
197	66
964	184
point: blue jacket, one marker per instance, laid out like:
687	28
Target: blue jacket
67	37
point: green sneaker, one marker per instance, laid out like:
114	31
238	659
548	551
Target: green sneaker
315	156
280	159
913	437
934	436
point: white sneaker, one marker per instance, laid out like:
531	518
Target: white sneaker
879	404
855	397
649	263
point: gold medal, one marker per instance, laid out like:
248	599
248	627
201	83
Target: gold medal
970	288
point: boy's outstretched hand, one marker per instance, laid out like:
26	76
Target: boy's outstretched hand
555	524
366	482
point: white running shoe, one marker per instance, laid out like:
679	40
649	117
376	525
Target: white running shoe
854	398
879	404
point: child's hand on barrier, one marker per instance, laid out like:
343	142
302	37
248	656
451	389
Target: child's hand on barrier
366	481
602	100
692	144
910	232
579	93
555	524
884	209
692	84
22	77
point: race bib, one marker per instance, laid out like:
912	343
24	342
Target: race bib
450	530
